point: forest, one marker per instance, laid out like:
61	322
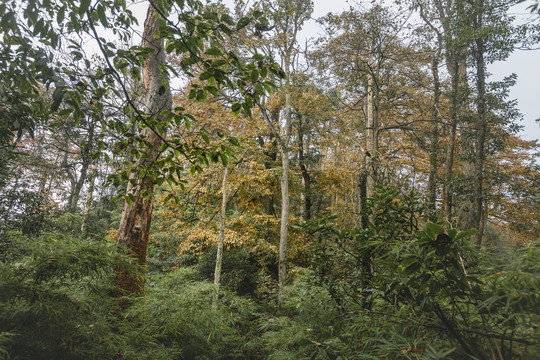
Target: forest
188	179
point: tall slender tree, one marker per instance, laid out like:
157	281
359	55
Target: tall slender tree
288	17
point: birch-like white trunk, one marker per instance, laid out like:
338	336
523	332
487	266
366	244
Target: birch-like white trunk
219	256
284	230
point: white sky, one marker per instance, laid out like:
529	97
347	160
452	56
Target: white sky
526	64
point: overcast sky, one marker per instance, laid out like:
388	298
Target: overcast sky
526	64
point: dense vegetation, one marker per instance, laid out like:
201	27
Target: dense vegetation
221	192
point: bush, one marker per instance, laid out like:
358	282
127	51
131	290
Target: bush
238	272
178	311
55	298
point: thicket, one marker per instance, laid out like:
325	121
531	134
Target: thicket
399	288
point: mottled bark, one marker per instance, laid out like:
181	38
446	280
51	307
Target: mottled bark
135	223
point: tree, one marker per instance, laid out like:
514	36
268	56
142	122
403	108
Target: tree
134	227
364	59
222	217
288	18
199	38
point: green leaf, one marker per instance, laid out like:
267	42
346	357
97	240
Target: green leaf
434	229
65	112
236	107
254	76
85	5
213	52
60	15
466	233
263	72
102	16
205	138
242	23
130	199
234	141
224	159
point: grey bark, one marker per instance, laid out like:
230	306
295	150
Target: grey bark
86	159
305	195
219	255
88	202
284	229
372	137
431	205
481	127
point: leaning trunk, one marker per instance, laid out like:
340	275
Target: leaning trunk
134	227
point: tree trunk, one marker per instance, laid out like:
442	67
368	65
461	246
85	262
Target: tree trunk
371	138
481	127
455	63
268	199
135	223
219	256
362	179
305	196
431	206
88	203
284	231
86	157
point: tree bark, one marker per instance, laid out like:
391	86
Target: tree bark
135	223
284	230
362	179
86	158
481	126
88	203
271	154
219	255
455	63
305	201
431	205
371	138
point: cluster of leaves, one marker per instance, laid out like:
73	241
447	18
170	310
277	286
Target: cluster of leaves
411	293
25	211
402	290
56	303
55	296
